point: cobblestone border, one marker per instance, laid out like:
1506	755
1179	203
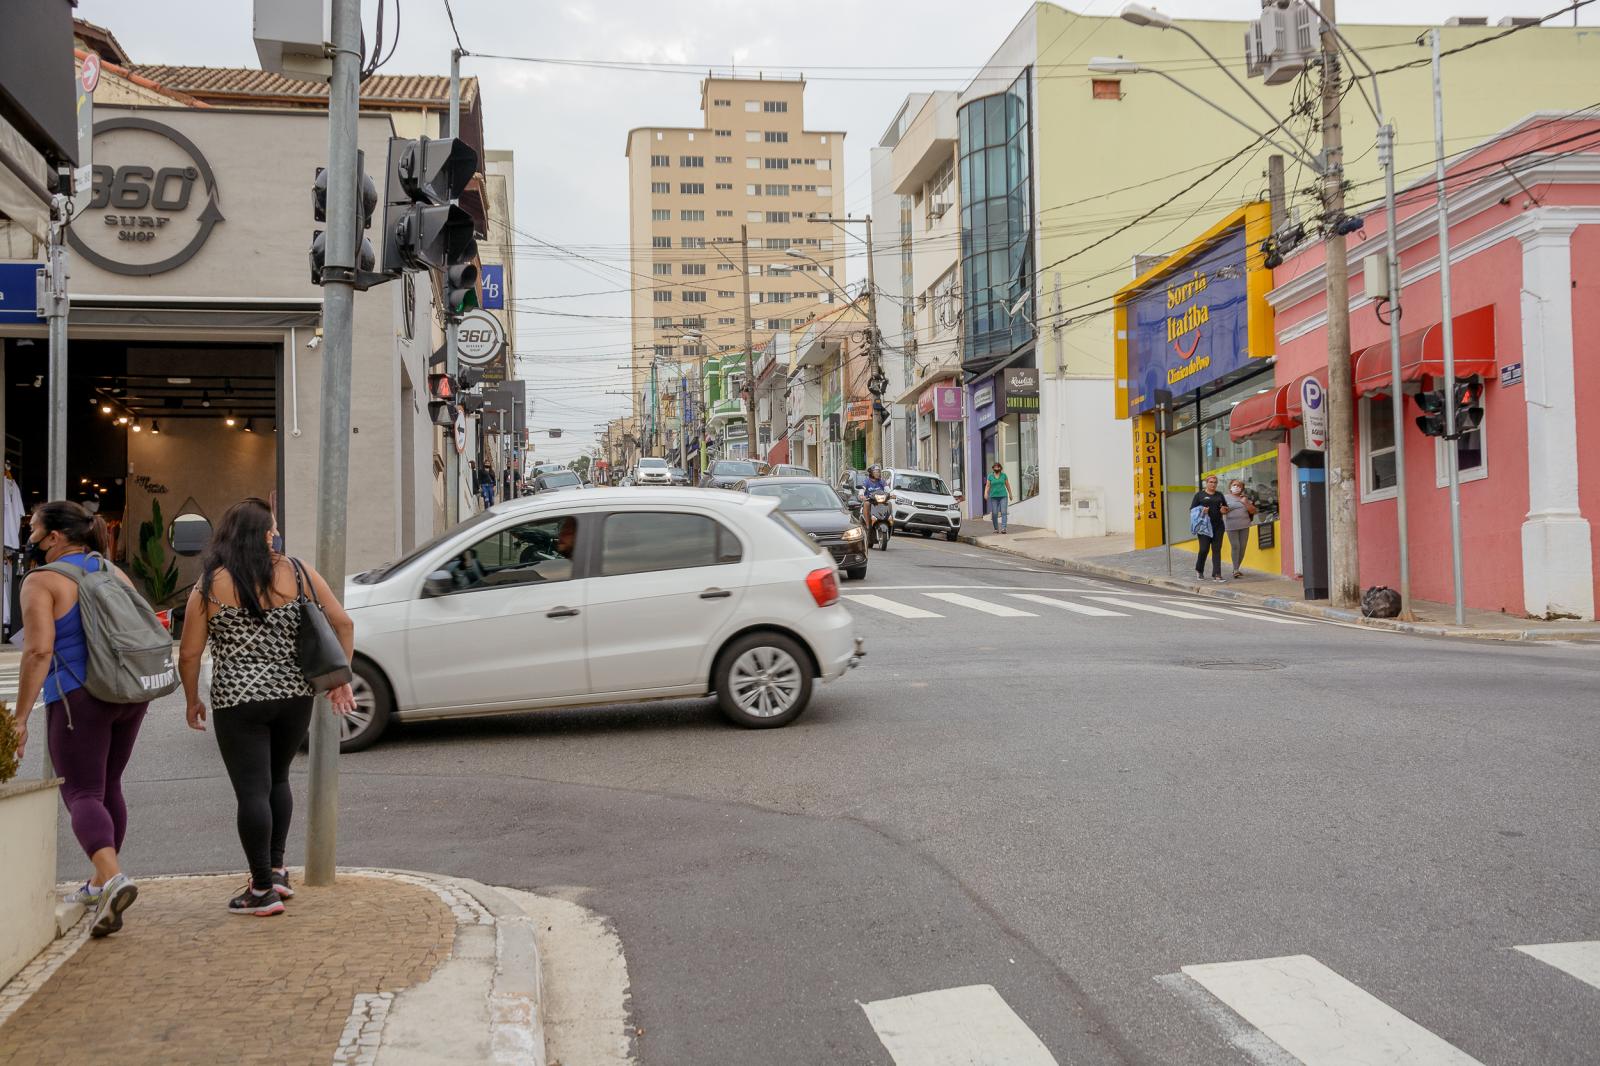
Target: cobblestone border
363	1030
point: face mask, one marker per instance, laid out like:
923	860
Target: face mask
277	543
35	555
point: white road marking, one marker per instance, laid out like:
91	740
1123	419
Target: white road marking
1580	958
1152	608
996	609
1321	1018
1249	1041
1258	616
1076	589
883	603
971	1026
1068	605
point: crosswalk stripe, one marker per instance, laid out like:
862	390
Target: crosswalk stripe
1321	1018
996	609
1581	958
971	1026
1152	608
883	603
1259	616
1068	605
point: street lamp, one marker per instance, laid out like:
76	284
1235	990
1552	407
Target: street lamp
798	254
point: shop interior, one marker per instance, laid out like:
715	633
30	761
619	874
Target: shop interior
161	439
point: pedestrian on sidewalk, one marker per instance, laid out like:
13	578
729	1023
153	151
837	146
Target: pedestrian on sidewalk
1238	514
999	496
1209	534
246	606
486	484
90	741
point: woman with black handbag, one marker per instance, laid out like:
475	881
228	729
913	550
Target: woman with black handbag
278	636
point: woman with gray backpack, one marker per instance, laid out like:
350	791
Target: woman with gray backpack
95	649
277	636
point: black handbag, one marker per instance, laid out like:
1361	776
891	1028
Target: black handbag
321	656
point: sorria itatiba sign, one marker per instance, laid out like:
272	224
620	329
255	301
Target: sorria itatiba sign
154	201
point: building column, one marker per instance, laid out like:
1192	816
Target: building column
1557	552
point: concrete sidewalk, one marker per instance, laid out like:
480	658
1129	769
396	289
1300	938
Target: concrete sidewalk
1115	557
380	968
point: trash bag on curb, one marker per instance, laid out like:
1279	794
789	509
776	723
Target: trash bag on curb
1380	601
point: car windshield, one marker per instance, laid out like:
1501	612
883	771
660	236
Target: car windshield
561	479
799	497
729	468
381	573
652	464
928	483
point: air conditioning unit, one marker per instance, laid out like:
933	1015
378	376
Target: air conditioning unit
1279	44
939	206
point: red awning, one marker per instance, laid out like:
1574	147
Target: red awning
1292	407
1264	412
1422	353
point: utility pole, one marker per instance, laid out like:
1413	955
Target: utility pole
338	328
877	380
452	357
1447	334
749	343
1343	555
55	305
1275	191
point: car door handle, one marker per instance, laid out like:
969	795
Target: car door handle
562	612
715	594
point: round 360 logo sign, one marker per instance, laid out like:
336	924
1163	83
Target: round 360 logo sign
152	206
479	337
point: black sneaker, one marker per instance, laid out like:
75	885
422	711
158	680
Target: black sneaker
280	881
256	905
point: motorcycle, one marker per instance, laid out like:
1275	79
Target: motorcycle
880	520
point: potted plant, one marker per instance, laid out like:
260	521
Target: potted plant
151	564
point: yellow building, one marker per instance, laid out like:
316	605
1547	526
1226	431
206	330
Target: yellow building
695	194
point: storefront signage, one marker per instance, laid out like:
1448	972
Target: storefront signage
493	281
1019	385
153	206
983	395
1510	374
858	411
1147	503
1314	407
479	337
19	292
947	403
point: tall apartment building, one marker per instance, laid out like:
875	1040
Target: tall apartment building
752	169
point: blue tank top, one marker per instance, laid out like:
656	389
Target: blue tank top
71	661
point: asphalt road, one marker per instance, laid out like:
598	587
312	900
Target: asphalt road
1068	806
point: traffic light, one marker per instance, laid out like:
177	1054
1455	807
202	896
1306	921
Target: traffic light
1469	403
469	377
441	400
366	204
422	229
1431	421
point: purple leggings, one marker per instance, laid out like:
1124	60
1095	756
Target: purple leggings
90	744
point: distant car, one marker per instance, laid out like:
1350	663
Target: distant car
725	473
923	503
788	470
600	597
850	483
556	481
652	471
816	508
680	476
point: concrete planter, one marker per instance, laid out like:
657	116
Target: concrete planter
28	857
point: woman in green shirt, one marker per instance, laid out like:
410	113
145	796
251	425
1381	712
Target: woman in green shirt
999	494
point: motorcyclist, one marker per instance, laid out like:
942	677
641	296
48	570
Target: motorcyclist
873	482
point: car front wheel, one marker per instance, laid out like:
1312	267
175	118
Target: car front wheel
856	573
763	681
361	728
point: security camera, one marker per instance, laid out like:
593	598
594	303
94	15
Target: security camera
315	342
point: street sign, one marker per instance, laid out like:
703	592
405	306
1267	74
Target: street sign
83	176
493	281
479	338
1510	374
461	432
19	295
1313	404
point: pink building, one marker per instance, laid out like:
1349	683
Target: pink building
1524	212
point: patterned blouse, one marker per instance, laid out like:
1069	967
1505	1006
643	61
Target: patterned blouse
254	660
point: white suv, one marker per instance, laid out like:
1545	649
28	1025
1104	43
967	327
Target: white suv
923	503
652	472
607	596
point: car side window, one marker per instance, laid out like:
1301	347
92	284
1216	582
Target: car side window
640	542
537	552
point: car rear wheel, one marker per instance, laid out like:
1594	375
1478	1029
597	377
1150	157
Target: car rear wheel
361	728
763	681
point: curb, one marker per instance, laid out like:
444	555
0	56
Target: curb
1298	607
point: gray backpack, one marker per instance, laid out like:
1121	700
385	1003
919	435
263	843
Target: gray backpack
130	651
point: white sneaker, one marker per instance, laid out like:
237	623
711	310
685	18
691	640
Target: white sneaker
85	895
117	896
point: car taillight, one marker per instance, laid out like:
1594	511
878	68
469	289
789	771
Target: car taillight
824	586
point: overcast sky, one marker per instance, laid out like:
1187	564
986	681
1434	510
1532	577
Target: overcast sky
567	124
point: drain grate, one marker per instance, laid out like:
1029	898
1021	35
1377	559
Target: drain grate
1258	665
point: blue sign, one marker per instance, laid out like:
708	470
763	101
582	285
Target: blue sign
1193	329
494	287
19	292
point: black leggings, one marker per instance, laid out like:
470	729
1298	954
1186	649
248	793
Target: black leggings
258	742
1214	546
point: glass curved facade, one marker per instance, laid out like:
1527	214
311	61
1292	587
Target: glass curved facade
996	226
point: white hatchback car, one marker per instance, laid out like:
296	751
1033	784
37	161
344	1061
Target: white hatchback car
608	596
651	471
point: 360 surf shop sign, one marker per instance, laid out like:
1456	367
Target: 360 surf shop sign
1191	326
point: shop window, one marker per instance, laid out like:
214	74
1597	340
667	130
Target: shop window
1470	456
1377	449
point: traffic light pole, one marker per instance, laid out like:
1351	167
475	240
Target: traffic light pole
749	356
338	330
452	357
1447	334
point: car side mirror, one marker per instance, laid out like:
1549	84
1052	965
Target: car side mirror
438	583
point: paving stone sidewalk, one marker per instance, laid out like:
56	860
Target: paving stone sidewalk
187	982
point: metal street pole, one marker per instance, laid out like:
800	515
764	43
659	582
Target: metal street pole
452	358
749	343
338	327
56	306
1447	334
1343	554
876	379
